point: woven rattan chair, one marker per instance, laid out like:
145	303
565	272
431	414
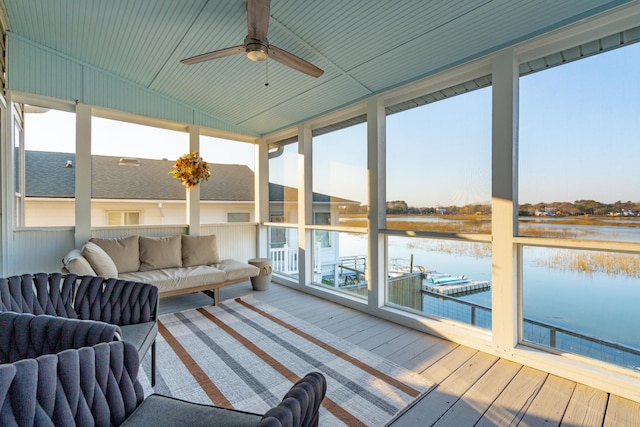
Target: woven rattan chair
132	306
98	385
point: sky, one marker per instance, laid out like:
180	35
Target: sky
55	131
579	138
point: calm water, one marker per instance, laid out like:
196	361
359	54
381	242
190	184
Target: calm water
597	305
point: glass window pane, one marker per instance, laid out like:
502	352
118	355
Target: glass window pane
130	172
283	250
238	217
132	218
340	176
439	165
283	183
579	149
583	302
341	264
231	187
49	162
441	278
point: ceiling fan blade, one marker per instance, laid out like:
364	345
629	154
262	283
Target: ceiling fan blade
258	19
213	55
290	60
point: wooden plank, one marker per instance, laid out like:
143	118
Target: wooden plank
475	401
586	407
622	412
375	335
509	408
422	353
356	324
439	400
340	315
550	403
398	343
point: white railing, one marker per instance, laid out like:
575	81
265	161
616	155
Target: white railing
285	259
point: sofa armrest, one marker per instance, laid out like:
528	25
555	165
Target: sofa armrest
116	301
26	335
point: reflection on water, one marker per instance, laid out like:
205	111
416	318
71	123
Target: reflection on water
598	304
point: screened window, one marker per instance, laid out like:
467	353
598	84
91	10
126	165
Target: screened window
230	191
578	171
283	182
46	184
130	172
438	175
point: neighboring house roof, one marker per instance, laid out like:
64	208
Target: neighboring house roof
47	175
280	193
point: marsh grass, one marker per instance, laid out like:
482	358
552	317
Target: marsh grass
611	264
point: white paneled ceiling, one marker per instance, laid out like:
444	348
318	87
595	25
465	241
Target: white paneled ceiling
364	46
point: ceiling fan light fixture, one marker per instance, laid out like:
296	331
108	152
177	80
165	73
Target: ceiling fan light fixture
256	51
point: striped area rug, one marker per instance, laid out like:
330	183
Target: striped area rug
246	354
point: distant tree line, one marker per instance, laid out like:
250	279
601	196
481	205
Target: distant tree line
579	207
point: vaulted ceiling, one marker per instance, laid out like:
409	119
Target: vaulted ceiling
364	46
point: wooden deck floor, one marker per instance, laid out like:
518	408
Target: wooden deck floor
472	388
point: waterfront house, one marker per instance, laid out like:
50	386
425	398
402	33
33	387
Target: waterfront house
382	61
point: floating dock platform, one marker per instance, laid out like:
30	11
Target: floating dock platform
456	288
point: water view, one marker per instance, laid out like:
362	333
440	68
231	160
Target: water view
569	296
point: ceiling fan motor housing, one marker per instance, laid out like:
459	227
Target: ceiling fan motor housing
256	50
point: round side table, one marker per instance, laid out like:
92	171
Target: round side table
262	280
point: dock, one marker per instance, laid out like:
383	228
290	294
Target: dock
456	288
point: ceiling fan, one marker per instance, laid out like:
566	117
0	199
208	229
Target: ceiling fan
256	46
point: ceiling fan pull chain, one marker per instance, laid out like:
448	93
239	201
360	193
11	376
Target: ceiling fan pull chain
266	77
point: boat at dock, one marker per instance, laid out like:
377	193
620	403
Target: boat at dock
446	280
445	284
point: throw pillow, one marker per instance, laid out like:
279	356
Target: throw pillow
75	263
160	252
101	263
199	250
124	252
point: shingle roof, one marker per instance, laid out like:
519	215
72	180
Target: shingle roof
47	176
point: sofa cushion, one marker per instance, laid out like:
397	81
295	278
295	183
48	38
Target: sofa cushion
158	409
160	252
173	279
199	250
75	263
123	251
101	263
235	270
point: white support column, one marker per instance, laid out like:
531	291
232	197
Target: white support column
376	163
262	196
305	205
83	174
505	300
193	193
7	168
